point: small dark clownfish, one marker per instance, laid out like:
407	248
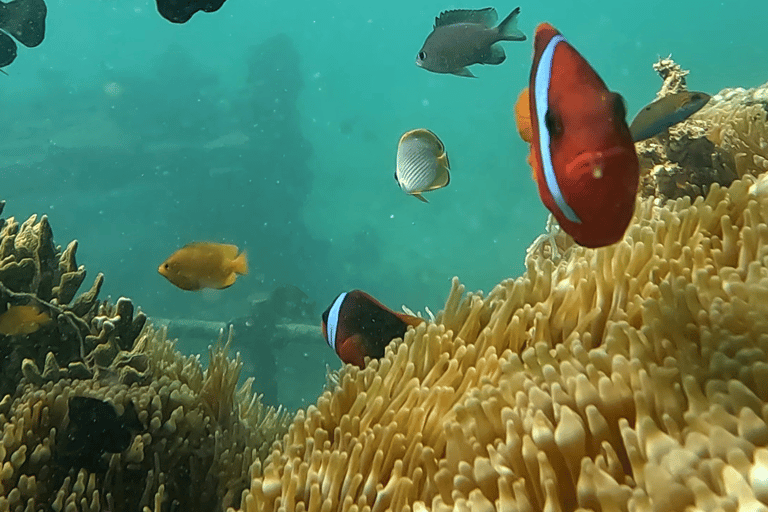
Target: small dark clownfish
582	154
357	326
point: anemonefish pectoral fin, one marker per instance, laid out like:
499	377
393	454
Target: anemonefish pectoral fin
497	55
464	72
523	116
352	351
419	197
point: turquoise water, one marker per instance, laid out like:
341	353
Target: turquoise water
111	126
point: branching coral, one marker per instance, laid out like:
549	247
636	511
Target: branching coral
622	378
200	438
200	433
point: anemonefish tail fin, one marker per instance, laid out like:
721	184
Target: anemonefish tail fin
508	30
240	264
420	197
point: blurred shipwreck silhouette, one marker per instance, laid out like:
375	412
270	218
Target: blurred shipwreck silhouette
285	318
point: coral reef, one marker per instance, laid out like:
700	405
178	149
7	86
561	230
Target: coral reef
684	162
725	140
736	120
199	432
622	378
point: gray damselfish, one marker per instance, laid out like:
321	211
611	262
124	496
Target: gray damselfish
463	37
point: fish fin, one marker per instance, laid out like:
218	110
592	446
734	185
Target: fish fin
486	17
240	264
419	197
523	116
508	30
229	281
414	321
230	251
464	72
353	350
3	72
443	160
497	55
443	177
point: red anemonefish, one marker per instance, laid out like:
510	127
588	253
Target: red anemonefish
357	326
583	158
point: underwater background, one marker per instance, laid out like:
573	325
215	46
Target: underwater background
274	126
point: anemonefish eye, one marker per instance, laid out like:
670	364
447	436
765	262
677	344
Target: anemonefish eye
553	124
422	55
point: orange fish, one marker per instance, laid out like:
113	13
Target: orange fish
582	154
357	326
22	320
204	265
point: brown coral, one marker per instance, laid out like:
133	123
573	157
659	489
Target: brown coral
683	162
199	436
737	121
622	378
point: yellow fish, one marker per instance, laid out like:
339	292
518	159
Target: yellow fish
204	265
22	320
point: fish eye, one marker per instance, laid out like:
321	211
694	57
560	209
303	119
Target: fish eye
553	124
166	266
422	55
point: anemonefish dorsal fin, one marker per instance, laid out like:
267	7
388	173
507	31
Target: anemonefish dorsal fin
547	39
